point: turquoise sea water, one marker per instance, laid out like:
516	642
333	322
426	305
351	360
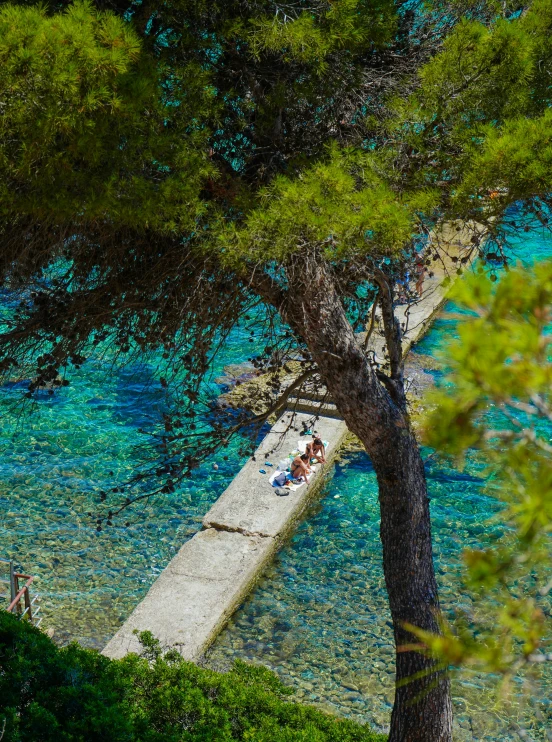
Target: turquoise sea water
319	617
52	469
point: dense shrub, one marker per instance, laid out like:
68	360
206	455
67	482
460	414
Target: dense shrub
73	694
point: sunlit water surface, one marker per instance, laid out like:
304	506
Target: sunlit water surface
319	616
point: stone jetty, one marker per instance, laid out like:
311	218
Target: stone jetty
211	575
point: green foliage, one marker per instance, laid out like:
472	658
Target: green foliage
86	130
354	25
480	120
101	126
284	76
73	695
98	125
516	158
341	203
480	70
503	359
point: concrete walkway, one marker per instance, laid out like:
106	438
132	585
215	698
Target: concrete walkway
214	571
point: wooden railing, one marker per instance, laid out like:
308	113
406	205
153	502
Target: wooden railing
21	604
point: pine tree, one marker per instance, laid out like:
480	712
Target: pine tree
254	151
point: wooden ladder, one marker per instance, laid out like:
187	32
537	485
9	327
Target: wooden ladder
21	604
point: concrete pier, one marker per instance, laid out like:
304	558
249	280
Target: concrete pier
214	571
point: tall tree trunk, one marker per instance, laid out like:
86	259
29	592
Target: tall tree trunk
422	711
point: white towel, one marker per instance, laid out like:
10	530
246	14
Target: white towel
290	486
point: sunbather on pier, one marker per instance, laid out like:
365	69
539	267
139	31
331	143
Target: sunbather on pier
315	450
300	467
319	450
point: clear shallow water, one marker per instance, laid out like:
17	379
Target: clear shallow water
52	469
319	617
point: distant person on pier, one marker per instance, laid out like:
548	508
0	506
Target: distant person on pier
420	272
402	288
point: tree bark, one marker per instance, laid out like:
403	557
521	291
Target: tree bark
376	413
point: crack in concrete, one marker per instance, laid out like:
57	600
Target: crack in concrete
196	577
233	529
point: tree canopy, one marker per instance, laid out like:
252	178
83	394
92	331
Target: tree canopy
91	129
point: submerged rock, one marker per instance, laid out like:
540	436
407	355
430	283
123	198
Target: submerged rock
236	374
256	391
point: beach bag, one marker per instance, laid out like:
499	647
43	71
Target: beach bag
280	479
